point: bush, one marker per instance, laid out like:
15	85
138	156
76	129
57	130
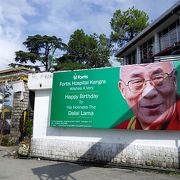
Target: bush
8	140
29	129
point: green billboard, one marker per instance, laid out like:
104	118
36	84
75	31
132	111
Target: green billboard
86	98
97	98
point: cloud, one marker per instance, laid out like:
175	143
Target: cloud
19	19
64	17
12	20
7	52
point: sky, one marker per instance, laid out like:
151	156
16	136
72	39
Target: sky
22	18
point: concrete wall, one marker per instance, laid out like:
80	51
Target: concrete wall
137	148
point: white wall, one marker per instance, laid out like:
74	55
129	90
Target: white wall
72	143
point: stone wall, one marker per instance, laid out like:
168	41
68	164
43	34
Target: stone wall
20	106
110	153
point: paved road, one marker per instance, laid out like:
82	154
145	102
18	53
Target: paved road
33	169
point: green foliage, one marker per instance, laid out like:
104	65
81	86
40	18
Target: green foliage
7	140
40	49
127	24
85	51
80	47
103	51
29	129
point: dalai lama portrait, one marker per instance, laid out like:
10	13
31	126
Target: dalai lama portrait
150	91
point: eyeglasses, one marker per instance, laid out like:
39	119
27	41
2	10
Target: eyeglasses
158	81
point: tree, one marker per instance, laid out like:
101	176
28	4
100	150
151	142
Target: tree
127	24
85	51
41	50
103	51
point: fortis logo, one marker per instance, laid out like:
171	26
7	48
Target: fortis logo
75	77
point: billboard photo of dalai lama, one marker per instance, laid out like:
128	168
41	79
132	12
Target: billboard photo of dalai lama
150	91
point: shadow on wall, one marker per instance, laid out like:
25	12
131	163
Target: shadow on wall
59	171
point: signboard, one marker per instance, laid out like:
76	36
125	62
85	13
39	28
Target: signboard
97	98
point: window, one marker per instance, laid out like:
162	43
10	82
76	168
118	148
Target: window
169	35
147	51
131	58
